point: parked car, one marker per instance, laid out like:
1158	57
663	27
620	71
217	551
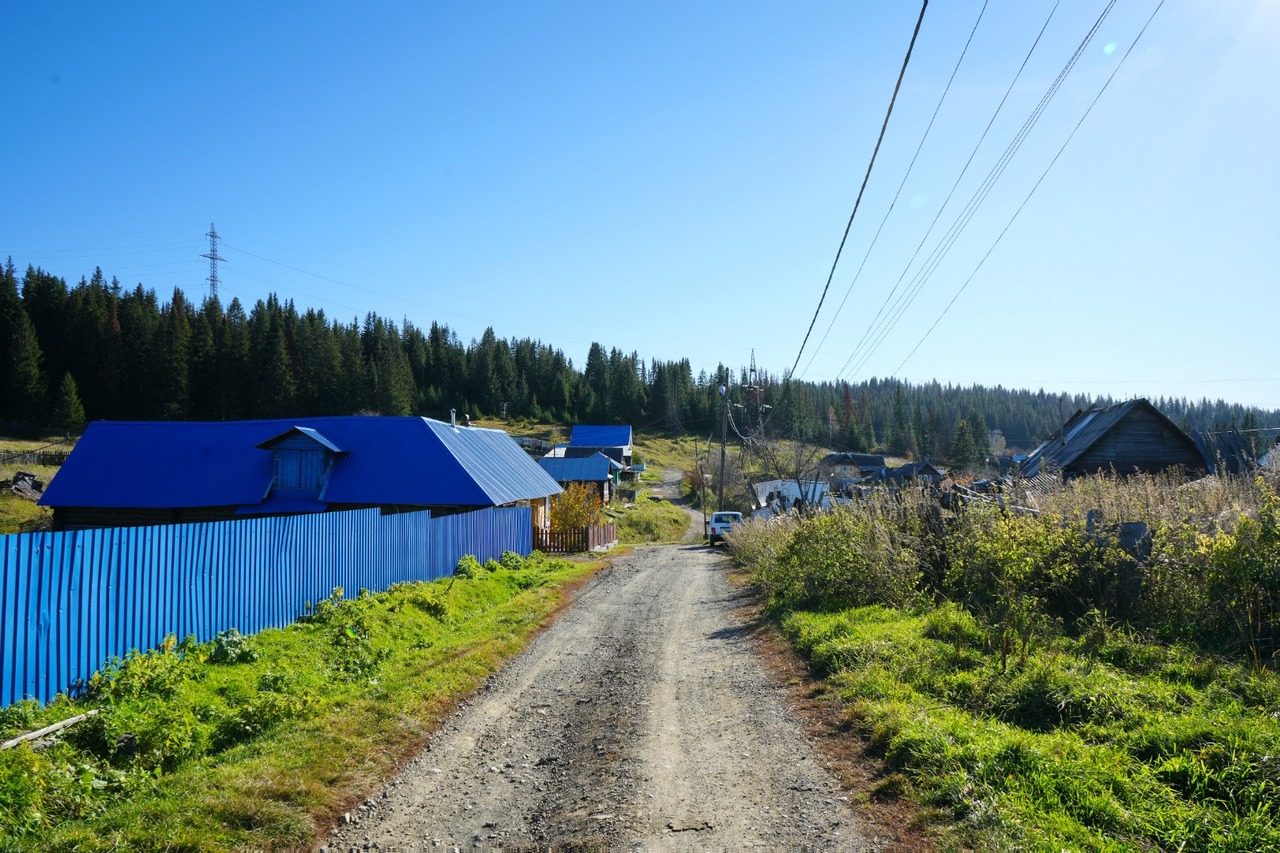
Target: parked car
721	523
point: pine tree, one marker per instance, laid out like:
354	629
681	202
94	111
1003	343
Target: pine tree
68	412
964	450
10	311
25	386
174	359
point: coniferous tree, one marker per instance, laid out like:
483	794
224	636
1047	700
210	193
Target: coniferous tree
234	381
44	299
26	385
274	391
10	311
68	412
173	356
139	337
964	450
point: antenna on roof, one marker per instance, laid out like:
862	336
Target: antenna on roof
214	260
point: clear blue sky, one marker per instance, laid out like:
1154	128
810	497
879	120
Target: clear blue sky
674	178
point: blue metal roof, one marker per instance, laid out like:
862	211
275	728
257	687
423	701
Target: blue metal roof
386	461
590	469
310	433
584	435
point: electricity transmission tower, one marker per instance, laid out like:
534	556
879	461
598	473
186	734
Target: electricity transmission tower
214	260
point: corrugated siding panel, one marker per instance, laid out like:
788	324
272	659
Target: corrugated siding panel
70	601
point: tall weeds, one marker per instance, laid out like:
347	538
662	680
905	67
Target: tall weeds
1209	573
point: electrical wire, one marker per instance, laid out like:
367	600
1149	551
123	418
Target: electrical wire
897	194
858	201
1013	218
476	318
953	233
868	333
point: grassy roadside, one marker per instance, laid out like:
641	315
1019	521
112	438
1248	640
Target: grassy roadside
1035	683
260	742
1101	742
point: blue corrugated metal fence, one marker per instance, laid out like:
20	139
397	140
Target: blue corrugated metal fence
70	601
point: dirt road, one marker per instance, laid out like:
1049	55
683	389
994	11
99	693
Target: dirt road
641	720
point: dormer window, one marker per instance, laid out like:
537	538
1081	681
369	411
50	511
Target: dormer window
303	461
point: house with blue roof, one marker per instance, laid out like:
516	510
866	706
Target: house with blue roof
596	470
124	474
612	441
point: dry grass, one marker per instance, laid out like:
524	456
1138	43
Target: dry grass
1169	498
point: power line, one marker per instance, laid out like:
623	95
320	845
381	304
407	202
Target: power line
404	299
858	201
1070	136
949	239
872	329
898	194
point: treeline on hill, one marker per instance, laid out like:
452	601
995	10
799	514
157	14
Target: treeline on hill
99	351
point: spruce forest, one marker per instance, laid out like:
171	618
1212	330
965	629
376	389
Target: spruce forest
97	350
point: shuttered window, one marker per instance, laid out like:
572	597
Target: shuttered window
300	472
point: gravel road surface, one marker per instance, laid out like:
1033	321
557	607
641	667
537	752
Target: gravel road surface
641	720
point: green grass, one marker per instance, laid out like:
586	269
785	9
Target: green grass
18	513
650	521
659	451
261	749
1100	742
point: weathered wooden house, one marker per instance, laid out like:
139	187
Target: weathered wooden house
1126	438
844	469
915	472
127	474
1225	451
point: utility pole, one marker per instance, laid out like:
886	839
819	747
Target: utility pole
753	397
702	478
214	260
724	440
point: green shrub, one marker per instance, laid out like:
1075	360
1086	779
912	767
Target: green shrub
24	780
278	699
169	735
230	646
845	559
160	672
468	567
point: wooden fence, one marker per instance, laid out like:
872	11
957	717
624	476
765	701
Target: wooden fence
576	541
72	600
36	457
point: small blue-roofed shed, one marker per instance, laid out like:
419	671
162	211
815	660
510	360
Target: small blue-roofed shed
597	470
612	441
137	473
